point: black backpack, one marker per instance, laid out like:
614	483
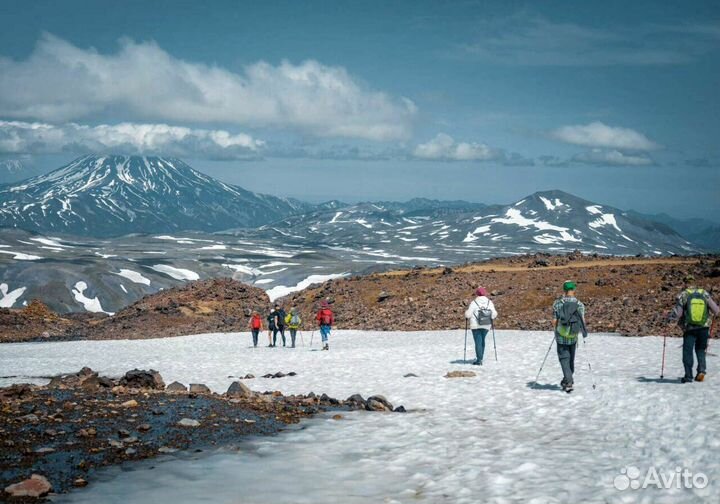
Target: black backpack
570	323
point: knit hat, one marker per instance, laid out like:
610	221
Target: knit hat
569	286
481	291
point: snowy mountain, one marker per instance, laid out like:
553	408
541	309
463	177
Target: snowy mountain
117	195
551	221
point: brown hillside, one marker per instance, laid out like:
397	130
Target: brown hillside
630	296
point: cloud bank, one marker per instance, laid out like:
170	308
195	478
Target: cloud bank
612	157
444	148
17	137
597	134
60	82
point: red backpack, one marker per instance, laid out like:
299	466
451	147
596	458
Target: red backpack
256	323
325	317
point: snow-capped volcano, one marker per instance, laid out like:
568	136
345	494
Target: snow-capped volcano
116	195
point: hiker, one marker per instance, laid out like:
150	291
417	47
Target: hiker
568	322
272	327
481	314
255	327
279	324
325	319
692	313
293	321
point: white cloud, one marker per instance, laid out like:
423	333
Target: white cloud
597	134
17	137
141	82
612	157
444	147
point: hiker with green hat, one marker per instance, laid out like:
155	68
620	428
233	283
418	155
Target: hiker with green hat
693	311
569	322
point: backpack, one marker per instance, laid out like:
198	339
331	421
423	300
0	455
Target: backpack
696	308
295	320
483	316
569	320
256	323
325	317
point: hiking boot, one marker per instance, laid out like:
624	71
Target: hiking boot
477	363
568	387
700	377
326	347
685	379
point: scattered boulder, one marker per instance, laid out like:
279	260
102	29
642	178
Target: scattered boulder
199	388
400	409
141	379
16	391
378	403
132	403
460	374
238	389
80	482
144	427
248	377
36	486
176	387
383	296
188	422
356	400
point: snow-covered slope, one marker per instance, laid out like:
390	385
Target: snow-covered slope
491	438
546	221
117	195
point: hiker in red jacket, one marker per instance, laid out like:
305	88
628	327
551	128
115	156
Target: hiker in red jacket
255	327
325	319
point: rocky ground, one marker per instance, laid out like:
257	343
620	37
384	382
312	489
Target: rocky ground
63	432
628	295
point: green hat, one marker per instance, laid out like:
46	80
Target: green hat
569	285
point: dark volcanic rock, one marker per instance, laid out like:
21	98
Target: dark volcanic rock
141	379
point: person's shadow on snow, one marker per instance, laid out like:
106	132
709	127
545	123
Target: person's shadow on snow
543	386
645	379
462	361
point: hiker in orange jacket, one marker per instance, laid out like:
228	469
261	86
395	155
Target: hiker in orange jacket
325	319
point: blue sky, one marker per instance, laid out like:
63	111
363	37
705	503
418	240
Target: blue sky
485	101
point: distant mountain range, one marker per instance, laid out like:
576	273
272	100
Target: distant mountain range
104	196
544	221
104	231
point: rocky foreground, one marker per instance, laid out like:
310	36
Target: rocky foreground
627	295
54	437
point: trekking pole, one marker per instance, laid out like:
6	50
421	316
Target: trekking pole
465	349
543	362
302	340
662	368
492	324
592	375
311	337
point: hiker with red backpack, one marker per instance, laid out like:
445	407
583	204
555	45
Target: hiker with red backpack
692	312
325	319
480	314
255	327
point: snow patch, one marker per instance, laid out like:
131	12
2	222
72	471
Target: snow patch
133	276
176	273
92	305
9	298
282	290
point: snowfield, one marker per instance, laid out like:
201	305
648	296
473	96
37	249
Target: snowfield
491	438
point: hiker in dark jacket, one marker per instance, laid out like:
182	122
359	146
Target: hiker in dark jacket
279	324
569	322
325	319
272	327
692	312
